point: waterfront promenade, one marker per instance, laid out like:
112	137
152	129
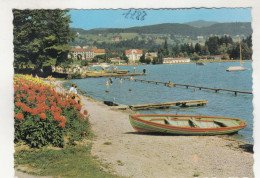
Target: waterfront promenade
142	155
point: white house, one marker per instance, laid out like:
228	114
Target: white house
133	54
85	53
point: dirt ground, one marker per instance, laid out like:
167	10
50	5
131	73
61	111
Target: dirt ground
144	155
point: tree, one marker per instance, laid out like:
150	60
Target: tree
84	63
198	48
235	52
148	60
79	57
245	51
176	51
165	47
124	57
205	50
41	37
248	41
142	58
195	56
213	45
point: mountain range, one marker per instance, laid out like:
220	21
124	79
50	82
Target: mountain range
200	23
195	28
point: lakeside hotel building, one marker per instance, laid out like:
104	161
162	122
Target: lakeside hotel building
175	60
133	54
87	53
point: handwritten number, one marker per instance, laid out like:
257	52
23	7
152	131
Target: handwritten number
126	14
132	15
136	14
142	18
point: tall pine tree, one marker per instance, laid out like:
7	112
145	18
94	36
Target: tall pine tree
41	37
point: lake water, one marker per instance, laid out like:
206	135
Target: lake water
211	75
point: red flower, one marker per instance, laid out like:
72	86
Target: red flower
46	107
53	109
18	103
34	111
67	104
58	109
42	116
28	109
78	107
63	119
63	104
85	112
54	104
43	98
31	98
19	116
57	116
62	124
25	108
40	108
82	116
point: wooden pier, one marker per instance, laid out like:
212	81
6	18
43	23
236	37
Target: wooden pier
104	74
162	105
169	84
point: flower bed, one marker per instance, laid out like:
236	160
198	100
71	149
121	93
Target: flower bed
45	117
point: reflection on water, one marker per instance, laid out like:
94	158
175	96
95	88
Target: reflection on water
212	75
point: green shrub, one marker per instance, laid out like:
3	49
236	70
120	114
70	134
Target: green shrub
44	117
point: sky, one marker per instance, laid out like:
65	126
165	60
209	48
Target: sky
121	18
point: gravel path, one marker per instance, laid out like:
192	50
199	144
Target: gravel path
142	155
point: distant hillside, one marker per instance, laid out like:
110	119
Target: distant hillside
229	28
200	23
233	29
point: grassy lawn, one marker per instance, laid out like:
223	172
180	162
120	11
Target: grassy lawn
71	161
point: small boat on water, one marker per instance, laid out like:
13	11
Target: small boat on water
235	68
200	63
122	71
186	124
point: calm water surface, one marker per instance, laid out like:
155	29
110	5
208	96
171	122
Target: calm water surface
212	75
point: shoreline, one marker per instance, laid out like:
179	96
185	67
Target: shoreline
129	153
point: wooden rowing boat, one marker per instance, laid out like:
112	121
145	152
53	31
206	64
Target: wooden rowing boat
186	124
122	71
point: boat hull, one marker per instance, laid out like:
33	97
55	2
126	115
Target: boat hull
238	68
142	125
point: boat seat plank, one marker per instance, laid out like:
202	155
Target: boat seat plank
170	122
196	123
225	123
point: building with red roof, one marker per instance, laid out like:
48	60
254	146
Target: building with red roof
133	54
98	51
